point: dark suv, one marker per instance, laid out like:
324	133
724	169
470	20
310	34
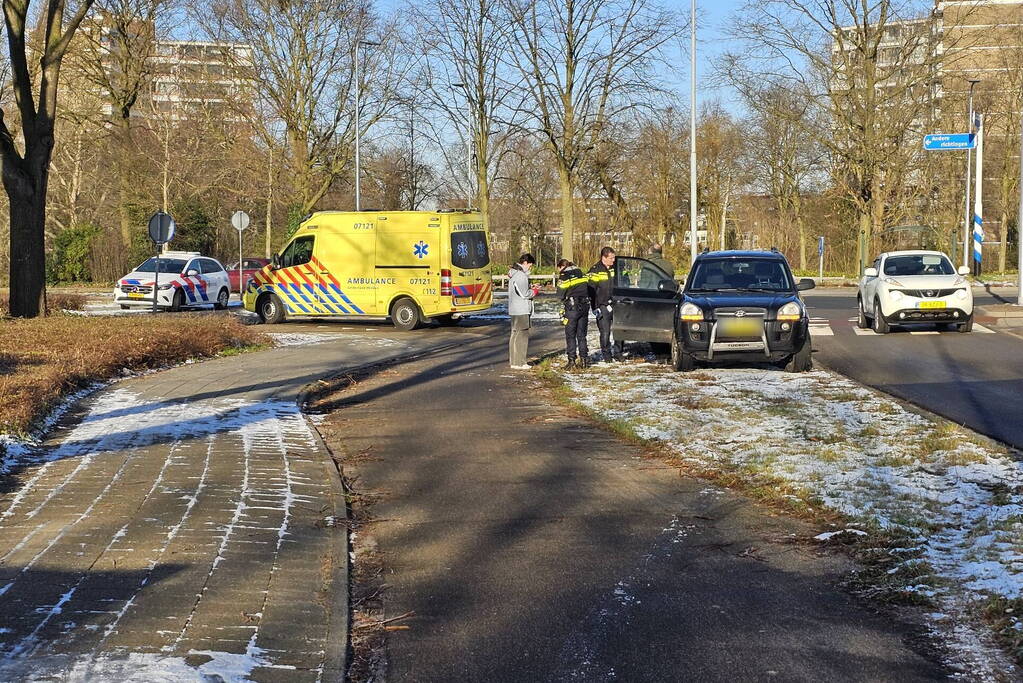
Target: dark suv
736	306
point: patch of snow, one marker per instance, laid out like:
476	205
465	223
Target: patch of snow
857	451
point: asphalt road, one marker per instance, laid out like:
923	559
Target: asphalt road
529	545
974	379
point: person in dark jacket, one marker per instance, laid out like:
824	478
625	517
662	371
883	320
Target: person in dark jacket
574	289
601	277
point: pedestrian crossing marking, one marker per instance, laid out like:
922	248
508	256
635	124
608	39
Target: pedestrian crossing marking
977	327
821	329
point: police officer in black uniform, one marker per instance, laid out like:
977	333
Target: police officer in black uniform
574	288
601	277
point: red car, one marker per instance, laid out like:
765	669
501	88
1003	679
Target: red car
249	267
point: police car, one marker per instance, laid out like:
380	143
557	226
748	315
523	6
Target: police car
185	279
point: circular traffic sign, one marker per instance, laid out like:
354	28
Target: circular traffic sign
161	227
240	220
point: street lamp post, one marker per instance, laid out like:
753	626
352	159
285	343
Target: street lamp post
1019	224
358	120
694	249
967	223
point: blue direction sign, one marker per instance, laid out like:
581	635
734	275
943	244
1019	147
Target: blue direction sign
950	142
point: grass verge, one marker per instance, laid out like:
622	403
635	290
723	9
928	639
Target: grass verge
44	359
55	302
882	554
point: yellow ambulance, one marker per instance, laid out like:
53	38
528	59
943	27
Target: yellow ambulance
409	266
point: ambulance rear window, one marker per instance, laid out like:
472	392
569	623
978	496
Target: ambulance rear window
469	249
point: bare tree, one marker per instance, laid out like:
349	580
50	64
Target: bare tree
585	64
26	170
115	50
301	71
867	71
784	160
463	48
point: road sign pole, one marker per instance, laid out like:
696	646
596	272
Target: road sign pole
967	232
156	276
978	201
241	284
820	257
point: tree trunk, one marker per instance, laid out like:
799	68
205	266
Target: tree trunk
124	184
26	188
567	223
797	214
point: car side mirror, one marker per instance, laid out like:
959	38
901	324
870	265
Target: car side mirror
192	272
963	270
275	261
805	283
667	286
870	272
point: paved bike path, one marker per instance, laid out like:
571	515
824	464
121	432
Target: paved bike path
187	523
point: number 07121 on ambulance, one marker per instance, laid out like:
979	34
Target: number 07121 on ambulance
409	266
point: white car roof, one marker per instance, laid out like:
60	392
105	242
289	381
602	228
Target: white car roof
180	254
915	252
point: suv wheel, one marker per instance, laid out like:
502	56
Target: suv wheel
862	321
405	314
967	326
881	325
680	360
801	360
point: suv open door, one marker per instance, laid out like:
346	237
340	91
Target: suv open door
644	300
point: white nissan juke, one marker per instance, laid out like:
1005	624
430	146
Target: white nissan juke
904	287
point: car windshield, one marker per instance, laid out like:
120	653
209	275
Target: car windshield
918	264
167	265
752	274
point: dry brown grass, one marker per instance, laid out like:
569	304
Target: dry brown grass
55	302
44	359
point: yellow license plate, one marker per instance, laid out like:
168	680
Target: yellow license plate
463	300
136	296
931	304
738	328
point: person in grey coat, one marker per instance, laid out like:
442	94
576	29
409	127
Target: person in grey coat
520	308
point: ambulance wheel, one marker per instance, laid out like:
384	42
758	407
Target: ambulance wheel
178	301
446	320
222	299
270	309
405	314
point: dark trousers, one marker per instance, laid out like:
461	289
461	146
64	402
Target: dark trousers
604	325
575	331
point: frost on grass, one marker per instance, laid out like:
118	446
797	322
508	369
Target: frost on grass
953	499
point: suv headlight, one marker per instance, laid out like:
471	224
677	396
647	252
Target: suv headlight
960	293
790	311
165	286
690	311
892	281
895	294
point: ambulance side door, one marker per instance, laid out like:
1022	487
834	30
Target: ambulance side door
407	261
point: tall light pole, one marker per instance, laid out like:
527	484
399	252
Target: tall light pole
358	119
692	133
967	221
1019	222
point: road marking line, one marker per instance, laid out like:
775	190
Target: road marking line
918	332
821	330
862	332
977	327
